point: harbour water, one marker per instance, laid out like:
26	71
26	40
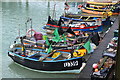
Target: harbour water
14	16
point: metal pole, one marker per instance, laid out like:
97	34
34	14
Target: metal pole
117	71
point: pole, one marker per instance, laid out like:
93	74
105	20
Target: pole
117	71
64	8
19	31
54	11
48	8
26	26
31	26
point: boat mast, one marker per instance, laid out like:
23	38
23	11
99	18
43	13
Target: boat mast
26	24
48	8
31	26
54	10
64	8
19	31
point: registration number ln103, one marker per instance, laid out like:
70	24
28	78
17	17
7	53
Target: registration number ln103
71	64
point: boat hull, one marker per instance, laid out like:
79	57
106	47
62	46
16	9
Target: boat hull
101	3
105	13
61	65
49	26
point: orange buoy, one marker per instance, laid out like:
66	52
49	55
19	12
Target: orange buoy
96	70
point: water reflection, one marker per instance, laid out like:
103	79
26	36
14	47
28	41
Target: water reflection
25	73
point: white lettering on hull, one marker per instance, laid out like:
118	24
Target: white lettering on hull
71	64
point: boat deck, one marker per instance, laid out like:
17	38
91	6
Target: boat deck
97	54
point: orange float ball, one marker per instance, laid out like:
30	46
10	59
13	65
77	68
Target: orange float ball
96	70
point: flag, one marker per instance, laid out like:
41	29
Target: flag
57	37
47	42
87	46
50	49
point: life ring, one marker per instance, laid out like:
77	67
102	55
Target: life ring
30	30
37	35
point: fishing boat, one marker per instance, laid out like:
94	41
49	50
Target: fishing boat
81	28
70	60
64	43
97	6
111	10
97	9
83	16
100	7
75	24
102	3
96	12
39	60
43	59
88	17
